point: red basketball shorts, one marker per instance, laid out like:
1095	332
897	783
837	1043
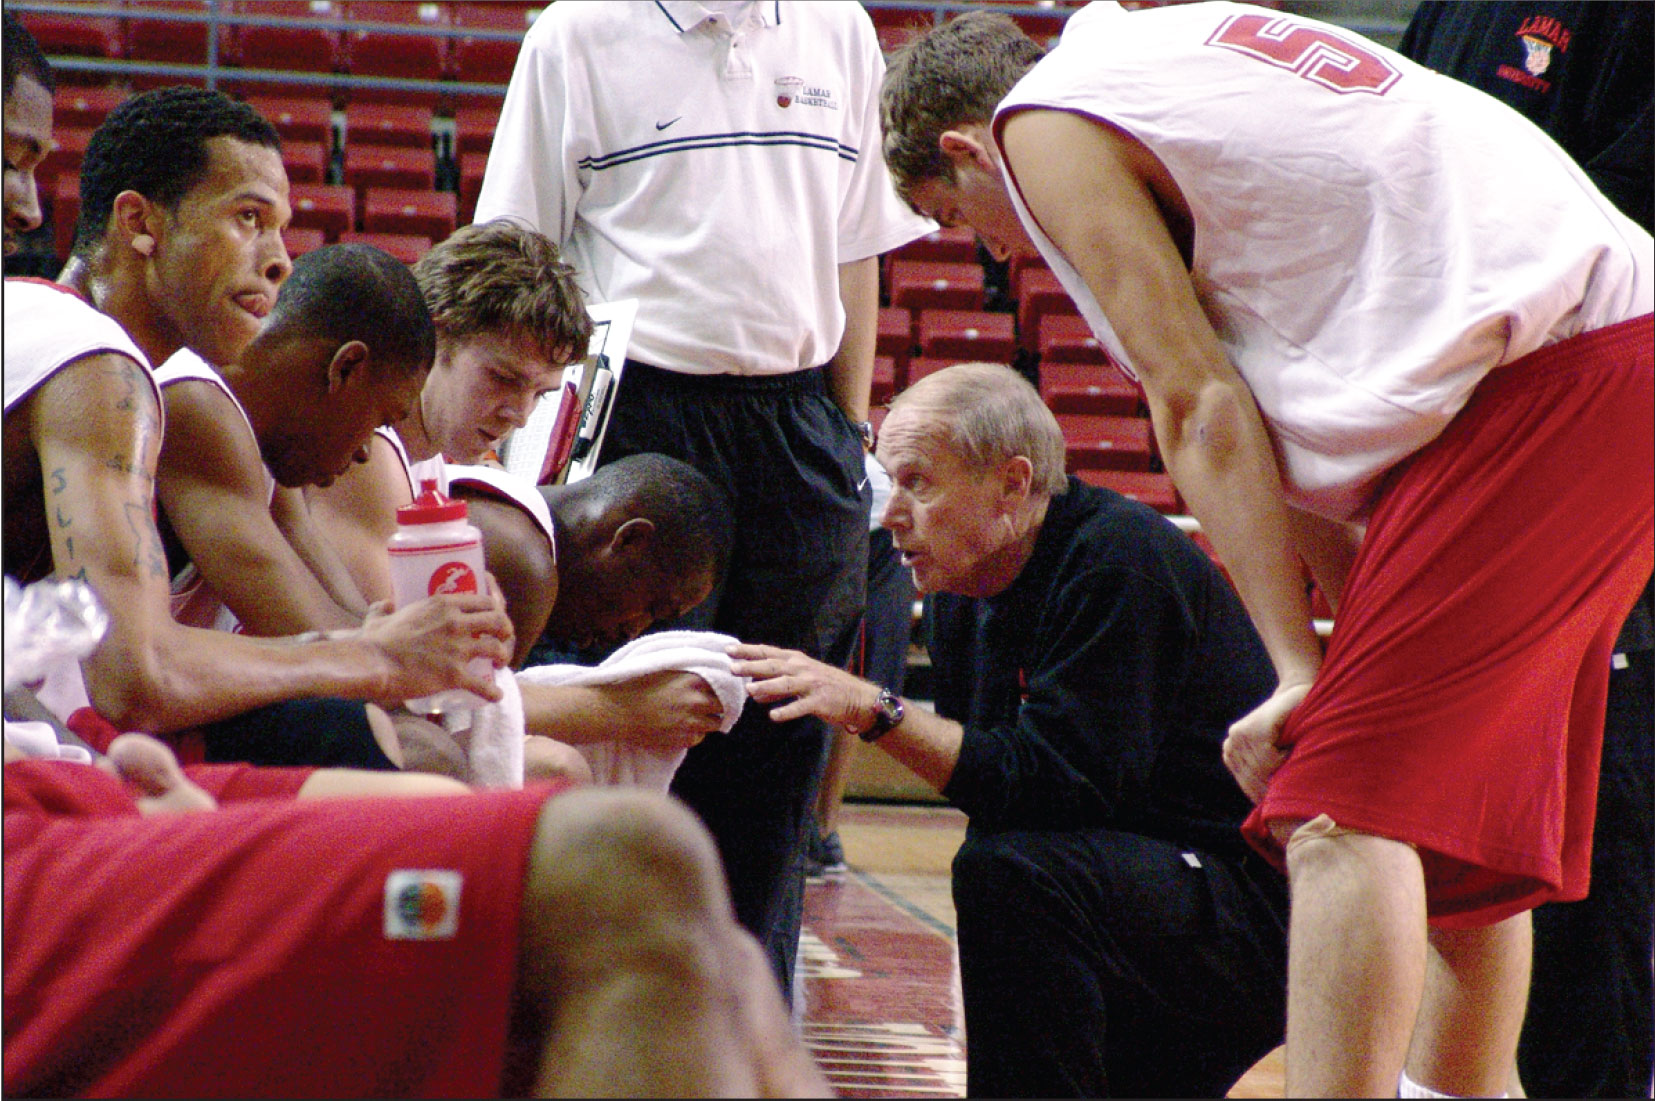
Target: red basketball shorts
337	948
1461	704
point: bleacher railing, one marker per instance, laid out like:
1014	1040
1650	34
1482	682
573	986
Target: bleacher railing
218	17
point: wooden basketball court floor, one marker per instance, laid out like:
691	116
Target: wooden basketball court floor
878	1000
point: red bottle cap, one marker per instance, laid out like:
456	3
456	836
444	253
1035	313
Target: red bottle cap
431	507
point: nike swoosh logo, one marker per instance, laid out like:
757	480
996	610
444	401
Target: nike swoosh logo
664	125
863	484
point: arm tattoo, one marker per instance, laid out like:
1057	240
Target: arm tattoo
147	552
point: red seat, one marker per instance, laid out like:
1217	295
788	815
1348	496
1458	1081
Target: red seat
1154	490
471	182
327	207
1017	266
173	42
883	386
488	57
928	285
895	339
85	108
291	46
300	240
388	124
474	129
419	213
971	335
81	35
920	366
385	53
389	166
1109	443
1038	294
1067	338
1089	388
405	247
305	161
297	119
1044	26
65	195
943	245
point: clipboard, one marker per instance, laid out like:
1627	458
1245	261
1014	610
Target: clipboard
564	435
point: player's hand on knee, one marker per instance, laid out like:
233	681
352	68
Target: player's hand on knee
1250	750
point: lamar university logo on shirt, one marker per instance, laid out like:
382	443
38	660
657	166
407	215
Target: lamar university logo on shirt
422	904
1539	36
792	90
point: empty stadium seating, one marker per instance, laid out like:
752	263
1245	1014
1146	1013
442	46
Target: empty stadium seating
300	240
967	335
297	119
421	213
404	246
1153	489
929	285
1089	388
327	207
85	108
383	124
1098	442
369	166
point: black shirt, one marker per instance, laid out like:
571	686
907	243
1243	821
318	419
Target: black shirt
1097	689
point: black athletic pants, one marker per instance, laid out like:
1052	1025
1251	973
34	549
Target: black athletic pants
1098	963
792	465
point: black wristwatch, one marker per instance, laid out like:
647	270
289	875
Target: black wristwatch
890	713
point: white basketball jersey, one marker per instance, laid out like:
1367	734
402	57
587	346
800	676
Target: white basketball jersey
1371	238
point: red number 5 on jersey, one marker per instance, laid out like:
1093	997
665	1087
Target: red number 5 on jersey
1313	53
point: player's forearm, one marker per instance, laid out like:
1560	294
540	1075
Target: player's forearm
573	714
187	677
292	515
1215	447
850	371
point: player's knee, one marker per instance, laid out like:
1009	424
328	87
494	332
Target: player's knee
623	885
549	759
1321	845
622	850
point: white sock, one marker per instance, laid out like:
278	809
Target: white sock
1407	1087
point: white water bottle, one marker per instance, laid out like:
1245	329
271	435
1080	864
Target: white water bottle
437	550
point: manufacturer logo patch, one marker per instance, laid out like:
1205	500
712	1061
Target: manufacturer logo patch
422	904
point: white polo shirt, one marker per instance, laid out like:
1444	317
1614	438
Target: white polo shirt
1371	238
718	163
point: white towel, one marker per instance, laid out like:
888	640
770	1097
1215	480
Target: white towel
698	652
494	743
33	738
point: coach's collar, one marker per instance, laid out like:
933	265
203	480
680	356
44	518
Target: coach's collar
686	15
